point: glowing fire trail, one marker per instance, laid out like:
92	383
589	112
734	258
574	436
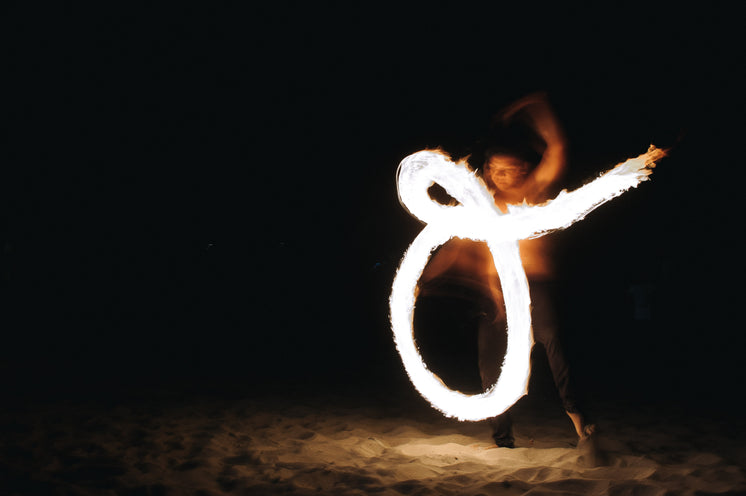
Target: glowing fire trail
478	218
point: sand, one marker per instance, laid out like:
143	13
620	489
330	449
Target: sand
175	443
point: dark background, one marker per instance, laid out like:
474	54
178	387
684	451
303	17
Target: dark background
204	197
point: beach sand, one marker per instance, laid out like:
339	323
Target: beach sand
346	444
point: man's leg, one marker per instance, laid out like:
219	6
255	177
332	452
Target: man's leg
545	332
492	346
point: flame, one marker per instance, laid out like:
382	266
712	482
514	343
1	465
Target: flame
477	217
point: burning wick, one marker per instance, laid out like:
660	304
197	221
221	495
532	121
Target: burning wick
478	218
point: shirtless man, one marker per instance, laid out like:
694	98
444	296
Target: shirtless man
464	267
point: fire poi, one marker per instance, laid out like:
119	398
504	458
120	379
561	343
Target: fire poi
477	217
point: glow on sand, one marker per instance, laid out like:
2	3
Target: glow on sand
478	218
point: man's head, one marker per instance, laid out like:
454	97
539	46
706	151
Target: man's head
505	170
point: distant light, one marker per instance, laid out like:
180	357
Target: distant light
478	218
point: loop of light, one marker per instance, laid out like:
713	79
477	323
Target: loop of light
478	218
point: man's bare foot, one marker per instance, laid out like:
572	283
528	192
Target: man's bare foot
583	430
588	430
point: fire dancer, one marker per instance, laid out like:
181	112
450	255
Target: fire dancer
464	269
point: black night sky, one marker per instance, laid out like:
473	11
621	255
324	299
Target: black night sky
197	197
